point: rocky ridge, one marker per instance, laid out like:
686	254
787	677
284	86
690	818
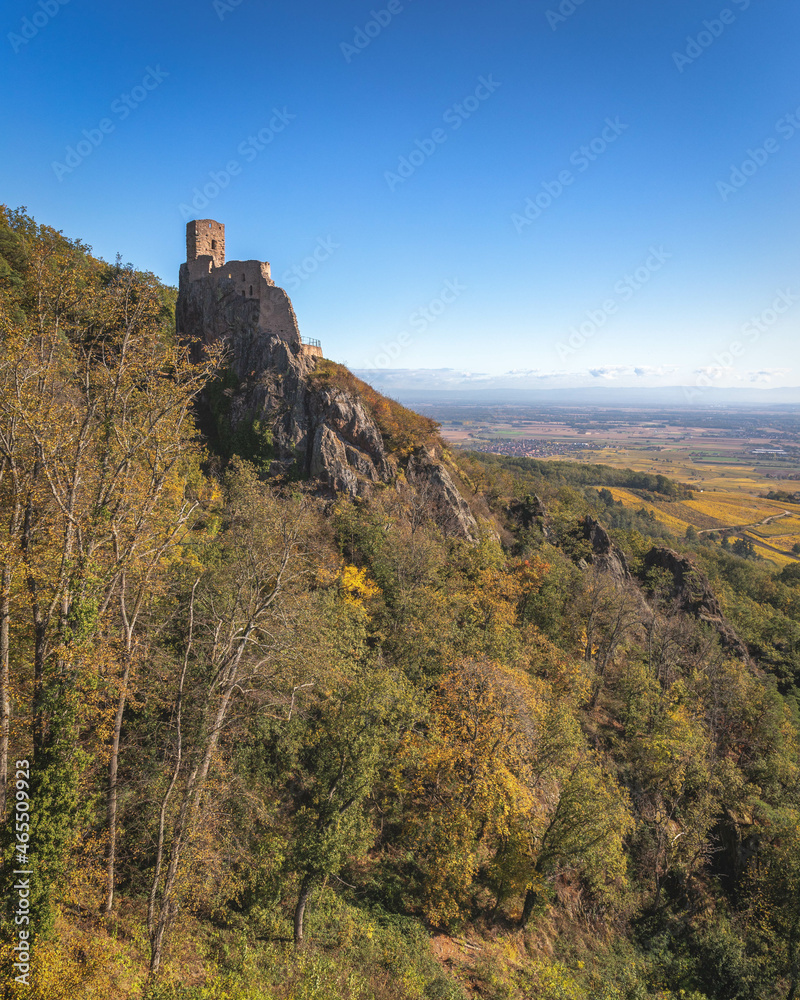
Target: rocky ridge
605	555
692	594
689	588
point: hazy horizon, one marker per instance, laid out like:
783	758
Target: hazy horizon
594	388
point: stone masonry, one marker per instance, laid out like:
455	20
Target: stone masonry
206	238
242	290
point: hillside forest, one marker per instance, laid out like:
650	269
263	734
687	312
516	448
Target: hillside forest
261	742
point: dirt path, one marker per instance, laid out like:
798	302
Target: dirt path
765	545
739	530
744	527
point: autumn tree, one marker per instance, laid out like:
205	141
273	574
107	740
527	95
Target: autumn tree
583	827
773	884
239	641
609	611
98	468
468	775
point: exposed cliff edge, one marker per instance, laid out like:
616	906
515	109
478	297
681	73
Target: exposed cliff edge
313	417
605	555
693	594
687	586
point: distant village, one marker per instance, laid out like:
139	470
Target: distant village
531	447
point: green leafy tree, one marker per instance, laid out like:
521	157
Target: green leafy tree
349	738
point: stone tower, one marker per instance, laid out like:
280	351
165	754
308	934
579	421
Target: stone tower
206	238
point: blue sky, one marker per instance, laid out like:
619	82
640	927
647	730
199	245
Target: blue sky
589	192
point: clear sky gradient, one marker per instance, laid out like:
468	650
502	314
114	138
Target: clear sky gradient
633	264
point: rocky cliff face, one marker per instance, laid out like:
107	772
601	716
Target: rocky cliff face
320	431
605	555
433	483
531	512
692	593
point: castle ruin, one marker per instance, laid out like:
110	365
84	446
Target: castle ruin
248	282
291	422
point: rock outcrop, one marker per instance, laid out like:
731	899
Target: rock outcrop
338	442
605	555
531	512
317	430
692	593
430	478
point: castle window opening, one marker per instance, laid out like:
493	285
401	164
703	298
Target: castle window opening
213	244
251	289
242	277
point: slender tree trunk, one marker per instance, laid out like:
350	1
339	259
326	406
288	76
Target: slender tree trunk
155	961
531	898
226	657
794	959
157	927
38	724
300	911
111	798
39	626
183	830
167	907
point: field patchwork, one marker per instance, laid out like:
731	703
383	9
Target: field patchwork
773	526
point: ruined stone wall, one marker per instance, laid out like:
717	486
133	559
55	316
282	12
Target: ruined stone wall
276	315
205	238
200	268
236	294
246	277
211	305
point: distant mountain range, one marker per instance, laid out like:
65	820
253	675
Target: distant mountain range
446	385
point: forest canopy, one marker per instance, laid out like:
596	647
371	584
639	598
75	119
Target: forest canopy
280	744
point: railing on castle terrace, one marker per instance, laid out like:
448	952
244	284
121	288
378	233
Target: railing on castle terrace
310	342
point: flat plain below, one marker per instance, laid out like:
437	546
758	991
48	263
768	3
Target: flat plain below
731	458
